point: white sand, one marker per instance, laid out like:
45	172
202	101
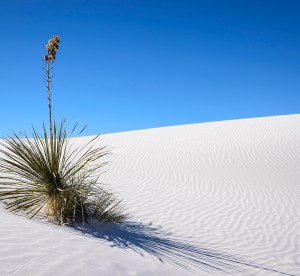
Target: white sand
220	194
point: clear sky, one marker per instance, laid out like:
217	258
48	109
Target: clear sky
126	65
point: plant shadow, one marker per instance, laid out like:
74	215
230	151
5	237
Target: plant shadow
166	247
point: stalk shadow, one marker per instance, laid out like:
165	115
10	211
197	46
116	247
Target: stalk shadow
166	247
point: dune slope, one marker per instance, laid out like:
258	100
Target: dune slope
219	198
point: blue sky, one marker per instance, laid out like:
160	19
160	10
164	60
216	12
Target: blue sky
126	65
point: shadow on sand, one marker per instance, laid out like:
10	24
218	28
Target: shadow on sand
166	247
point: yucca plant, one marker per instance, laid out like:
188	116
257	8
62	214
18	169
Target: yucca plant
49	176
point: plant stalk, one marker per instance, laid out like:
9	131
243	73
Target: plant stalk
49	87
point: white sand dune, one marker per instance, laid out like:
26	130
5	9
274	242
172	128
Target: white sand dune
219	198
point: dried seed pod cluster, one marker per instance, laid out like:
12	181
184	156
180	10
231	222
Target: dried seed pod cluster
52	47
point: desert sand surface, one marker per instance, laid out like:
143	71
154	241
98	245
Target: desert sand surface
218	198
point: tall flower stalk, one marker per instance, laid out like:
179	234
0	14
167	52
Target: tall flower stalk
51	47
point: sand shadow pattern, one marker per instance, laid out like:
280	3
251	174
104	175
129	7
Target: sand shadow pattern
167	247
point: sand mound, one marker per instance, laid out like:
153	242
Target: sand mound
220	197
